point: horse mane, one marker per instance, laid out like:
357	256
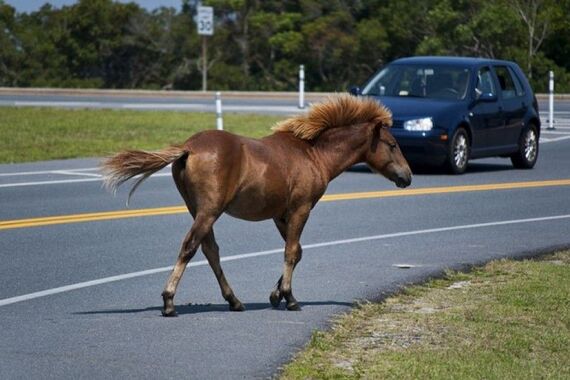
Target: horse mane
339	110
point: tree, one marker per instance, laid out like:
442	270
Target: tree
9	46
259	45
538	17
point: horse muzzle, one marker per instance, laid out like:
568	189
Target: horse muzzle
403	179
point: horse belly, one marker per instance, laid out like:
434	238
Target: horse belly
255	205
259	200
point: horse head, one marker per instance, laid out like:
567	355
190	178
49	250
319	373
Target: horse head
385	157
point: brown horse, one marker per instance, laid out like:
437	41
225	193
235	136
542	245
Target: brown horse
279	177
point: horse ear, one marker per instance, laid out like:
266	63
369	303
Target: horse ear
376	136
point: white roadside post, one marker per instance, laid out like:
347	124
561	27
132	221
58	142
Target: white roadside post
302	86
219	119
550	100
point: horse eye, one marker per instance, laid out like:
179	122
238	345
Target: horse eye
392	146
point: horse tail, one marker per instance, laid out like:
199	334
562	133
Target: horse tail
129	163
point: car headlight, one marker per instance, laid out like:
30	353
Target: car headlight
423	124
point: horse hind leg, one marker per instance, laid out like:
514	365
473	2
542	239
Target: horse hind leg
201	227
275	297
212	253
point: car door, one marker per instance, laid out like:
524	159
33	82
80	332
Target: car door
513	103
485	113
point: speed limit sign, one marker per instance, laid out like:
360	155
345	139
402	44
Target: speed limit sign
205	21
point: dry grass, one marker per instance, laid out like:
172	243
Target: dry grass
507	320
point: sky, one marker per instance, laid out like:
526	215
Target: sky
34	5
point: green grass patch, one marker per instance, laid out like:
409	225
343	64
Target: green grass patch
507	320
33	134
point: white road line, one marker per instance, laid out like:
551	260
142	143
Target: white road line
69	172
64	181
106	280
556	132
16	174
544	140
545	129
55	182
557	127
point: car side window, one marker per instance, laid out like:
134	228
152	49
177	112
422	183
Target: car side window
485	83
519	88
507	83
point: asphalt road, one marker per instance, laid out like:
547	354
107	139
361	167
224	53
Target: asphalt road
81	277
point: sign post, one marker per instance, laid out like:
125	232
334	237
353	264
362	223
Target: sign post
205	25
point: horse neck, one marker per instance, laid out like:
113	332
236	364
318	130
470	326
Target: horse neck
340	148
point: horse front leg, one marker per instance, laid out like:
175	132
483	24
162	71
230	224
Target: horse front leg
276	296
202	225
293	254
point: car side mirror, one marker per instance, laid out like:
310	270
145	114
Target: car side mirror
487	97
354	90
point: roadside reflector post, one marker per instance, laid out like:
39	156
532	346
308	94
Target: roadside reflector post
302	86
219	119
550	99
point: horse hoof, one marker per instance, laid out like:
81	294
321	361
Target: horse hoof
293	306
169	313
275	298
237	307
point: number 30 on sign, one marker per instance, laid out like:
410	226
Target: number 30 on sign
205	21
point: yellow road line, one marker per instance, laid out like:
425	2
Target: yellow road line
445	189
110	215
90	217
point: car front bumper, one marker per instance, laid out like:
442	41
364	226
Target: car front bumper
429	147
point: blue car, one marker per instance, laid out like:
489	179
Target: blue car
448	110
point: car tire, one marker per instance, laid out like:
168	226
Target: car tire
527	154
458	152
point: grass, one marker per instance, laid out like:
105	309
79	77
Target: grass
33	134
507	320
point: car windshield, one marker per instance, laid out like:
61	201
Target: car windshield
420	81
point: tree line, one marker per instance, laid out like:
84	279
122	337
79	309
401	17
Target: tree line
259	45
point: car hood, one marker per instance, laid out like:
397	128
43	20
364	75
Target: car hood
409	108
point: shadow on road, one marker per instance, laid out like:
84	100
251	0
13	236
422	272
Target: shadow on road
209	308
474	167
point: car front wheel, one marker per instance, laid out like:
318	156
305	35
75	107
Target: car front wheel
458	154
526	156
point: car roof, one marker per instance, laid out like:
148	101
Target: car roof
462	61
